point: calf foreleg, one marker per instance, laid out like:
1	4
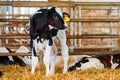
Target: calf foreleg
64	48
53	58
34	60
46	58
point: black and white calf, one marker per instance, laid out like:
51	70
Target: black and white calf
8	60
12	60
98	62
45	24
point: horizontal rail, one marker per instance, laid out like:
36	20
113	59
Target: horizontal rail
92	36
14	20
70	53
58	3
94	53
87	17
15	15
93	49
72	20
36	3
14	37
15	54
97	3
95	20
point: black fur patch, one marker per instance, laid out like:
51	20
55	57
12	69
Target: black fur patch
18	61
72	68
52	33
78	64
8	49
84	60
34	52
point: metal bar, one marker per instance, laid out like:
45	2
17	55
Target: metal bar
58	3
72	20
15	54
36	3
92	36
94	20
97	3
70	53
13	20
93	53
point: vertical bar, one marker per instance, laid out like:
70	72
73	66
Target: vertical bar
71	27
80	26
118	40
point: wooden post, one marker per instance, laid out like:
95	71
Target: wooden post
80	27
3	10
111	24
118	40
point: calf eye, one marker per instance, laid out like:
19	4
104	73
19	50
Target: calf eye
55	16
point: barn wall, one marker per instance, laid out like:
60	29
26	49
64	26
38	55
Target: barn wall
97	0
90	30
89	0
85	27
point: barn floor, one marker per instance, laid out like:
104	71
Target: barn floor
15	72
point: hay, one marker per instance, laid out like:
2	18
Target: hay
15	72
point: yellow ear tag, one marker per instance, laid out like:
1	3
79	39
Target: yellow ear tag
66	18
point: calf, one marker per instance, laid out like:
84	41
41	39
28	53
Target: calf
45	24
8	60
98	62
12	60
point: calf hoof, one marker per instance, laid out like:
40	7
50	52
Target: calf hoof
32	72
64	71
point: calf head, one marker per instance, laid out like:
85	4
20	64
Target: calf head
40	21
56	18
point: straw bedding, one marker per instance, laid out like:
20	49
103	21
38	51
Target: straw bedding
15	72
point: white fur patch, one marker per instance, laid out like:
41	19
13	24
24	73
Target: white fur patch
38	12
93	62
34	63
4	50
26	60
113	65
49	7
22	49
39	45
59	11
